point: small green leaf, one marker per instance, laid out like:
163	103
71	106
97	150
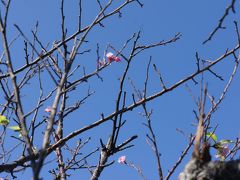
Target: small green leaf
3	120
212	136
15	128
225	141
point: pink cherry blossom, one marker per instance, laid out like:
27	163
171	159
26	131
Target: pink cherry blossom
122	160
111	57
48	109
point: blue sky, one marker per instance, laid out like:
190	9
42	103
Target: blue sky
157	20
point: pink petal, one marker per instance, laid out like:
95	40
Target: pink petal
109	54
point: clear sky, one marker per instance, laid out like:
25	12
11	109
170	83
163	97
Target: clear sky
158	20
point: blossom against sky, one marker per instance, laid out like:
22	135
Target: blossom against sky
157	20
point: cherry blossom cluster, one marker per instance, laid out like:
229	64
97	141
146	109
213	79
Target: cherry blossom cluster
110	57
